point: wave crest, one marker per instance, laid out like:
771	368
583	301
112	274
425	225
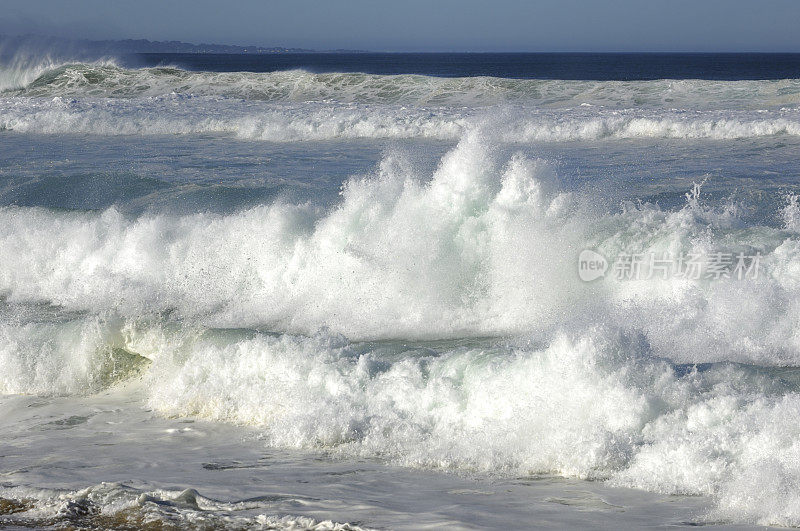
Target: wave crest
106	79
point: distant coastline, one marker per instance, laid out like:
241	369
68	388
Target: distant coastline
126	46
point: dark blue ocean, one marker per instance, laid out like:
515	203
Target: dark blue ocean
567	66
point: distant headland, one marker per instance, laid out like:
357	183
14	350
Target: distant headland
146	46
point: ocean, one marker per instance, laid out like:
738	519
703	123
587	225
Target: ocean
400	291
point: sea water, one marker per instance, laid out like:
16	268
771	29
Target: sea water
348	290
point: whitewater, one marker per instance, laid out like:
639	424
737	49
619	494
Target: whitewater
327	300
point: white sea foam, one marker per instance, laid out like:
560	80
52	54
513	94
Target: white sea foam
791	213
372	328
290	122
595	404
405	255
597	381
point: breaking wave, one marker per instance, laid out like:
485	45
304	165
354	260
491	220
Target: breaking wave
108	80
288	122
416	256
372	328
287	106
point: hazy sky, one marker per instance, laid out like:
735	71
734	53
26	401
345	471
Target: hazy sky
471	25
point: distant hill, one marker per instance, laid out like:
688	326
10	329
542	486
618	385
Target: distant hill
109	47
145	46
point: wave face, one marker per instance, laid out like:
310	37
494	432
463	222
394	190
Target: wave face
107	80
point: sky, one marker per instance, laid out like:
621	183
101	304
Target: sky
420	25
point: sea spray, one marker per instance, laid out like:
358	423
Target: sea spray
415	256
